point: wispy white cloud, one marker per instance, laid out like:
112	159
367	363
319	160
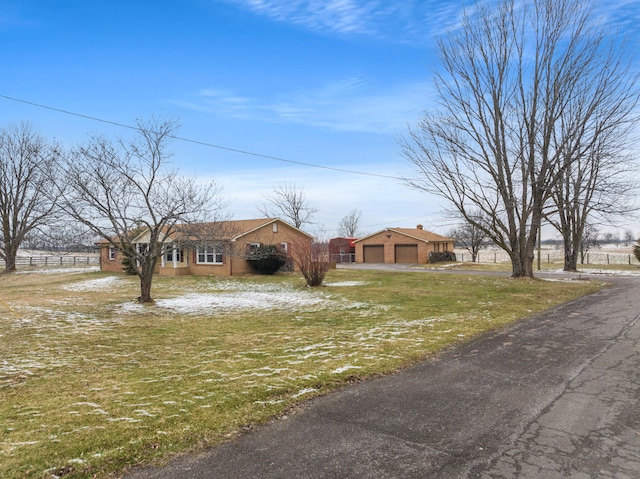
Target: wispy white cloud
414	21
621	14
405	21
350	104
347	16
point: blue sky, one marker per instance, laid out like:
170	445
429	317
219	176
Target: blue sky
330	83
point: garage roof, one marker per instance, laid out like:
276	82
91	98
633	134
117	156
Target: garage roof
415	233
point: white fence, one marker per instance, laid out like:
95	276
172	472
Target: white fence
551	256
44	261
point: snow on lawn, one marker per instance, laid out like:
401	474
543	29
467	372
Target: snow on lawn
88	269
225	296
196	303
100	284
215	297
347	283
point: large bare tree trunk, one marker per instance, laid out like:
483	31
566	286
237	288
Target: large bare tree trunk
10	254
145	289
570	258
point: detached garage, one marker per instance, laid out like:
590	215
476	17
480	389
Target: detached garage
401	245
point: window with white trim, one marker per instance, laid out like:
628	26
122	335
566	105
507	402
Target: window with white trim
179	255
112	253
208	255
284	247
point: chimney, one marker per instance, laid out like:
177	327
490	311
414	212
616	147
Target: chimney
419	227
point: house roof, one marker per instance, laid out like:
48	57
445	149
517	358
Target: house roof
415	233
230	230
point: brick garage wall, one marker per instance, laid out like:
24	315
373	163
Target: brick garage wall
389	239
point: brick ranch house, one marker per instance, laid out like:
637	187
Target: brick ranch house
182	257
401	245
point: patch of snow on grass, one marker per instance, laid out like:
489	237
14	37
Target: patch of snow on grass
609	272
304	391
345	368
88	269
347	283
195	303
100	284
234	295
229	285
228	296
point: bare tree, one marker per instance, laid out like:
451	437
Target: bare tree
60	237
119	189
628	237
470	237
590	239
349	225
597	180
609	237
512	76
313	259
636	250
27	166
288	202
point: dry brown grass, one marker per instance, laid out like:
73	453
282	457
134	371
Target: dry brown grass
91	382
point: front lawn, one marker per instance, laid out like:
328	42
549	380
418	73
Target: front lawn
91	382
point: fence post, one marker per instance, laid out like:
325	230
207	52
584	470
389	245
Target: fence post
60	260
607	258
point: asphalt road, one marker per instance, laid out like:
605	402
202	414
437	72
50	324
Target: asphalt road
556	395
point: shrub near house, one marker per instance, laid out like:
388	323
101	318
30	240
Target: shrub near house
267	259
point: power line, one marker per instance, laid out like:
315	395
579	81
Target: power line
201	143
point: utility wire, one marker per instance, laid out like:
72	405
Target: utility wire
202	143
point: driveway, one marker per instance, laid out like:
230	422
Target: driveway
556	395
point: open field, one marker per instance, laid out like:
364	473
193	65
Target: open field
91	382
